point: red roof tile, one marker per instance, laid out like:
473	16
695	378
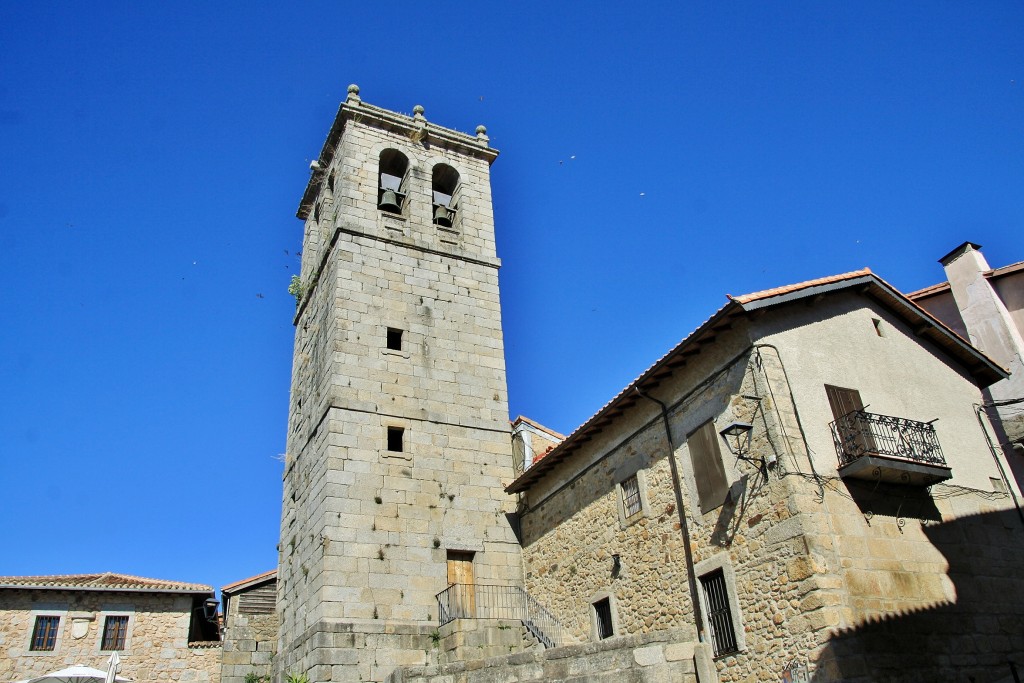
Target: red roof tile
928	291
787	289
107	581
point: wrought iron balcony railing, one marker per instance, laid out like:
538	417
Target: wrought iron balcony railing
860	433
486	601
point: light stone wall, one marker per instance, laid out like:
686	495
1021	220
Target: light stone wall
250	642
365	531
810	573
658	657
157	647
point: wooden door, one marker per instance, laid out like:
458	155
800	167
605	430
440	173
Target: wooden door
462	600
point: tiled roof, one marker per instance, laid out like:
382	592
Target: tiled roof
245	583
107	581
992	274
789	289
1005	270
926	326
623	400
928	291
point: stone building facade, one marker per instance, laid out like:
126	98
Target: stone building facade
801	490
250	628
159	629
398	440
870	544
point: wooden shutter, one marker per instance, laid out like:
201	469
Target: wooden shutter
259	600
854	432
843	401
708	471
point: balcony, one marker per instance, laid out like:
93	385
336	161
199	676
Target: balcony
890	449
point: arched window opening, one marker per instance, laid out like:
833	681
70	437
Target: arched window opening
394	174
445	186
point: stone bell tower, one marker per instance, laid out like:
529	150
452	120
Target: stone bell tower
398	432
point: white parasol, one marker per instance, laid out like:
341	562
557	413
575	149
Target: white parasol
75	674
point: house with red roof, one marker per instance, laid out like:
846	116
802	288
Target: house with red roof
161	630
806	484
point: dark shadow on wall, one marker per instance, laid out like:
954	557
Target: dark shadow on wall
978	638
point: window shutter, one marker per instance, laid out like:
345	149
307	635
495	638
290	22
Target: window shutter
708	470
843	401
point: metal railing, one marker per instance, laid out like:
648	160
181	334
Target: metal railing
860	433
488	601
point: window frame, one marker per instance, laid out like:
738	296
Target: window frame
58	610
621	496
721	563
125	639
607	597
395	432
393	338
55	635
630	490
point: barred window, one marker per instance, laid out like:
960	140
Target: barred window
716	598
631	496
115	632
44	634
603	613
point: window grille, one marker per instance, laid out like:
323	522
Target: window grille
631	496
603	610
44	635
115	633
716	598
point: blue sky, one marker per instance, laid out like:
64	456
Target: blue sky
655	156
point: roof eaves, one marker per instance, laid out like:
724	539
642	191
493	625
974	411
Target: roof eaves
249	582
1005	270
621	401
537	425
926	292
778	295
105	582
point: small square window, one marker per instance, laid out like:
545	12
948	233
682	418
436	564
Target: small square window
44	635
603	614
394	339
396	436
115	633
631	497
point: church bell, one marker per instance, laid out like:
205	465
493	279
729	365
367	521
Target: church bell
442	217
389	202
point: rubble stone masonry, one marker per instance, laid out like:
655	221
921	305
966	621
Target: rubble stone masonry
156	650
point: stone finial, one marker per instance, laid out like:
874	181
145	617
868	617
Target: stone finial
481	134
353	92
417	113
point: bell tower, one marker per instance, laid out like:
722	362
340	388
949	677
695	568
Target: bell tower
398	432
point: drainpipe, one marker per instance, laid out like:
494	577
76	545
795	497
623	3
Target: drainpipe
683	526
995	456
